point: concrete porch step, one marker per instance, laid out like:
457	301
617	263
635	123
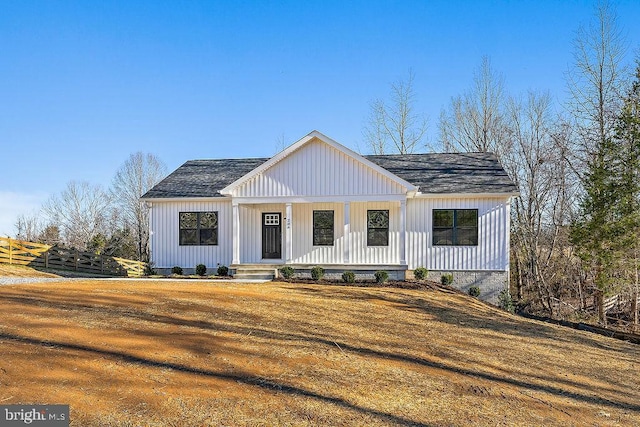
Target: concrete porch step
255	271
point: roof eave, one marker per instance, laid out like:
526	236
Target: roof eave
185	199
466	195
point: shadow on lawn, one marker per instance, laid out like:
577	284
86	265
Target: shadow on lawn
492	319
251	380
477	315
444	313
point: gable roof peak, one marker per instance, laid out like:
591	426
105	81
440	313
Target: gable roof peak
312	136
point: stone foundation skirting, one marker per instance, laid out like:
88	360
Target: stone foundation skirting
489	282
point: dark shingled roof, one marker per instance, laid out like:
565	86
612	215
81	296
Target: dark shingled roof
202	178
442	173
433	173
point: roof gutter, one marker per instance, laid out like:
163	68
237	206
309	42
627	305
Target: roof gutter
464	195
185	199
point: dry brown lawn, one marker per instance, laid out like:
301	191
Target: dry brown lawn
169	353
8	270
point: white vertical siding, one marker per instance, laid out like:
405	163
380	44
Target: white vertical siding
302	233
492	252
318	169
360	253
166	251
251	231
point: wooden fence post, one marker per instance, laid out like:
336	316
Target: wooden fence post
10	252
46	259
75	259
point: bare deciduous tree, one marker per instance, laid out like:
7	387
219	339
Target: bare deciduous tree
80	211
475	120
394	126
281	143
596	84
524	135
134	178
543	209
50	235
28	227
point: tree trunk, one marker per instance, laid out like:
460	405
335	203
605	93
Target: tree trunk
583	302
634	305
519	284
599	297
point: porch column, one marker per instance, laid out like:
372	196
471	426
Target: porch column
235	238
287	234
403	232
347	232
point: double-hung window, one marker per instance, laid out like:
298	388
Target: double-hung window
455	227
198	228
323	228
378	228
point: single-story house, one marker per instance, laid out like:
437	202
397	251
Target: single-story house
319	203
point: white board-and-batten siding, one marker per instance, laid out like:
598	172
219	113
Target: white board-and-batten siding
492	251
354	243
318	170
303	250
363	254
166	251
302	235
251	230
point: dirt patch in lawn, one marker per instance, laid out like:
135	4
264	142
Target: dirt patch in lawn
202	353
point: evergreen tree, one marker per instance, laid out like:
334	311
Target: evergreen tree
591	233
607	233
627	138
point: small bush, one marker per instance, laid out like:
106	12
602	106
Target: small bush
176	270
317	272
223	270
474	291
381	276
447	279
348	277
420	273
287	272
149	270
505	302
201	269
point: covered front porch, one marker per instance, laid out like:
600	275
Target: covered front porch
267	236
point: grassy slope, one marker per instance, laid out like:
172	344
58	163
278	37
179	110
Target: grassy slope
9	270
174	353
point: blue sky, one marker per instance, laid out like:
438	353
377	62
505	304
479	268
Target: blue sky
85	84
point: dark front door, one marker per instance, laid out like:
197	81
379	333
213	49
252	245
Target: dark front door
271	236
